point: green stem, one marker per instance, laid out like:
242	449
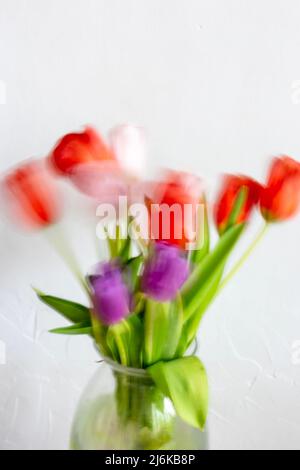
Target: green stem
142	413
244	258
149	331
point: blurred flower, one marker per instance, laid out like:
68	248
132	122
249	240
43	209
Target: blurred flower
74	149
227	198
101	171
110	294
128	145
103	181
165	272
170	220
280	200
31	195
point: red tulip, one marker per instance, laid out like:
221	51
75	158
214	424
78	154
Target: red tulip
75	149
178	190
280	200
228	197
31	195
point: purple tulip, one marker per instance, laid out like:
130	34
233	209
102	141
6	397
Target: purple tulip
111	296
165	273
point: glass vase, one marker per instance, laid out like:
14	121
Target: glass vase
122	409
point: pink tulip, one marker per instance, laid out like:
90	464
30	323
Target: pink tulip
128	145
104	181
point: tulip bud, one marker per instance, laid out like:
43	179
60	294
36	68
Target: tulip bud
165	273
280	199
110	294
31	195
75	149
173	207
228	197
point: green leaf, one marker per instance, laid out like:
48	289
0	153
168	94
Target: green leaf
112	244
124	253
112	345
124	340
185	382
238	207
83	328
197	286
199	254
123	244
132	271
99	333
191	326
72	311
162	330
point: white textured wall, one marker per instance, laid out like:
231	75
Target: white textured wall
215	85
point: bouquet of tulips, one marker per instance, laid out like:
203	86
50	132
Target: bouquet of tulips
147	300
